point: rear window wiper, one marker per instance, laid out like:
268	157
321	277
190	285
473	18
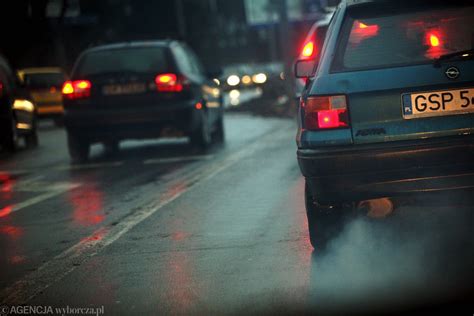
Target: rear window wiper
468	54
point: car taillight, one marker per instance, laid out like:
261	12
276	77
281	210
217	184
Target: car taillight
77	89
325	112
1	89
308	50
434	40
170	83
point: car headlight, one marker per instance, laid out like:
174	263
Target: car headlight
233	80
246	80
259	78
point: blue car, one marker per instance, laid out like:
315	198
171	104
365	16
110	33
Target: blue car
388	109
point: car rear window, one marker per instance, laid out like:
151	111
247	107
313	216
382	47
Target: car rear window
393	39
44	80
133	59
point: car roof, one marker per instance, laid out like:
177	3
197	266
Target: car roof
40	70
132	44
356	3
325	20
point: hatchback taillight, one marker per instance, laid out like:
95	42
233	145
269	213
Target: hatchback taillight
170	82
77	89
327	112
308	50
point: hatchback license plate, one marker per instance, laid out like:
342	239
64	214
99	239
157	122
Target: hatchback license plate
437	103
116	89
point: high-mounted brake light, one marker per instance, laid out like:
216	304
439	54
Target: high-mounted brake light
326	112
308	49
434	40
169	83
434	43
77	89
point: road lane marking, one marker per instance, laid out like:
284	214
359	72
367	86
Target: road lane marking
177	159
46	190
15	173
90	166
38	199
25	289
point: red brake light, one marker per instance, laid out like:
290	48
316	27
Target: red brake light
434	39
328	119
77	89
169	83
308	50
325	112
1	89
434	43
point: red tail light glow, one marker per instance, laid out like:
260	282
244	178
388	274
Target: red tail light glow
362	31
77	89
326	112
434	39
434	43
328	119
308	50
169	83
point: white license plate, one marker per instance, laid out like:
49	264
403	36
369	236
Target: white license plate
438	103
116	89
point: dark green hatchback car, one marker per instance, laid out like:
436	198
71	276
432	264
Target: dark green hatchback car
389	107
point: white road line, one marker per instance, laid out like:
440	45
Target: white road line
15	173
177	159
38	199
63	264
25	183
47	191
91	166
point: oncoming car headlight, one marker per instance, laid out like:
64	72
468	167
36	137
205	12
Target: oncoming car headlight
259	78
233	80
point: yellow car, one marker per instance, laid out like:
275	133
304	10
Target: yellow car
44	85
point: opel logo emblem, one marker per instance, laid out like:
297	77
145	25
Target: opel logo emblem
452	73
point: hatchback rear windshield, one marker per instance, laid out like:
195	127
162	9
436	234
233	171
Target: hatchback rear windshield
131	60
44	80
388	39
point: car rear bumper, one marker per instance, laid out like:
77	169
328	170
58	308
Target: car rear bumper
371	171
132	123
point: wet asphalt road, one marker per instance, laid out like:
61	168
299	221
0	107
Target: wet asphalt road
160	229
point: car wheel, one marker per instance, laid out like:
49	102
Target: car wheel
79	148
219	132
324	221
201	138
31	140
112	148
10	141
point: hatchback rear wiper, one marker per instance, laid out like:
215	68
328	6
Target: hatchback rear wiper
456	55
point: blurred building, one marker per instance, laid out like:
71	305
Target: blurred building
54	32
